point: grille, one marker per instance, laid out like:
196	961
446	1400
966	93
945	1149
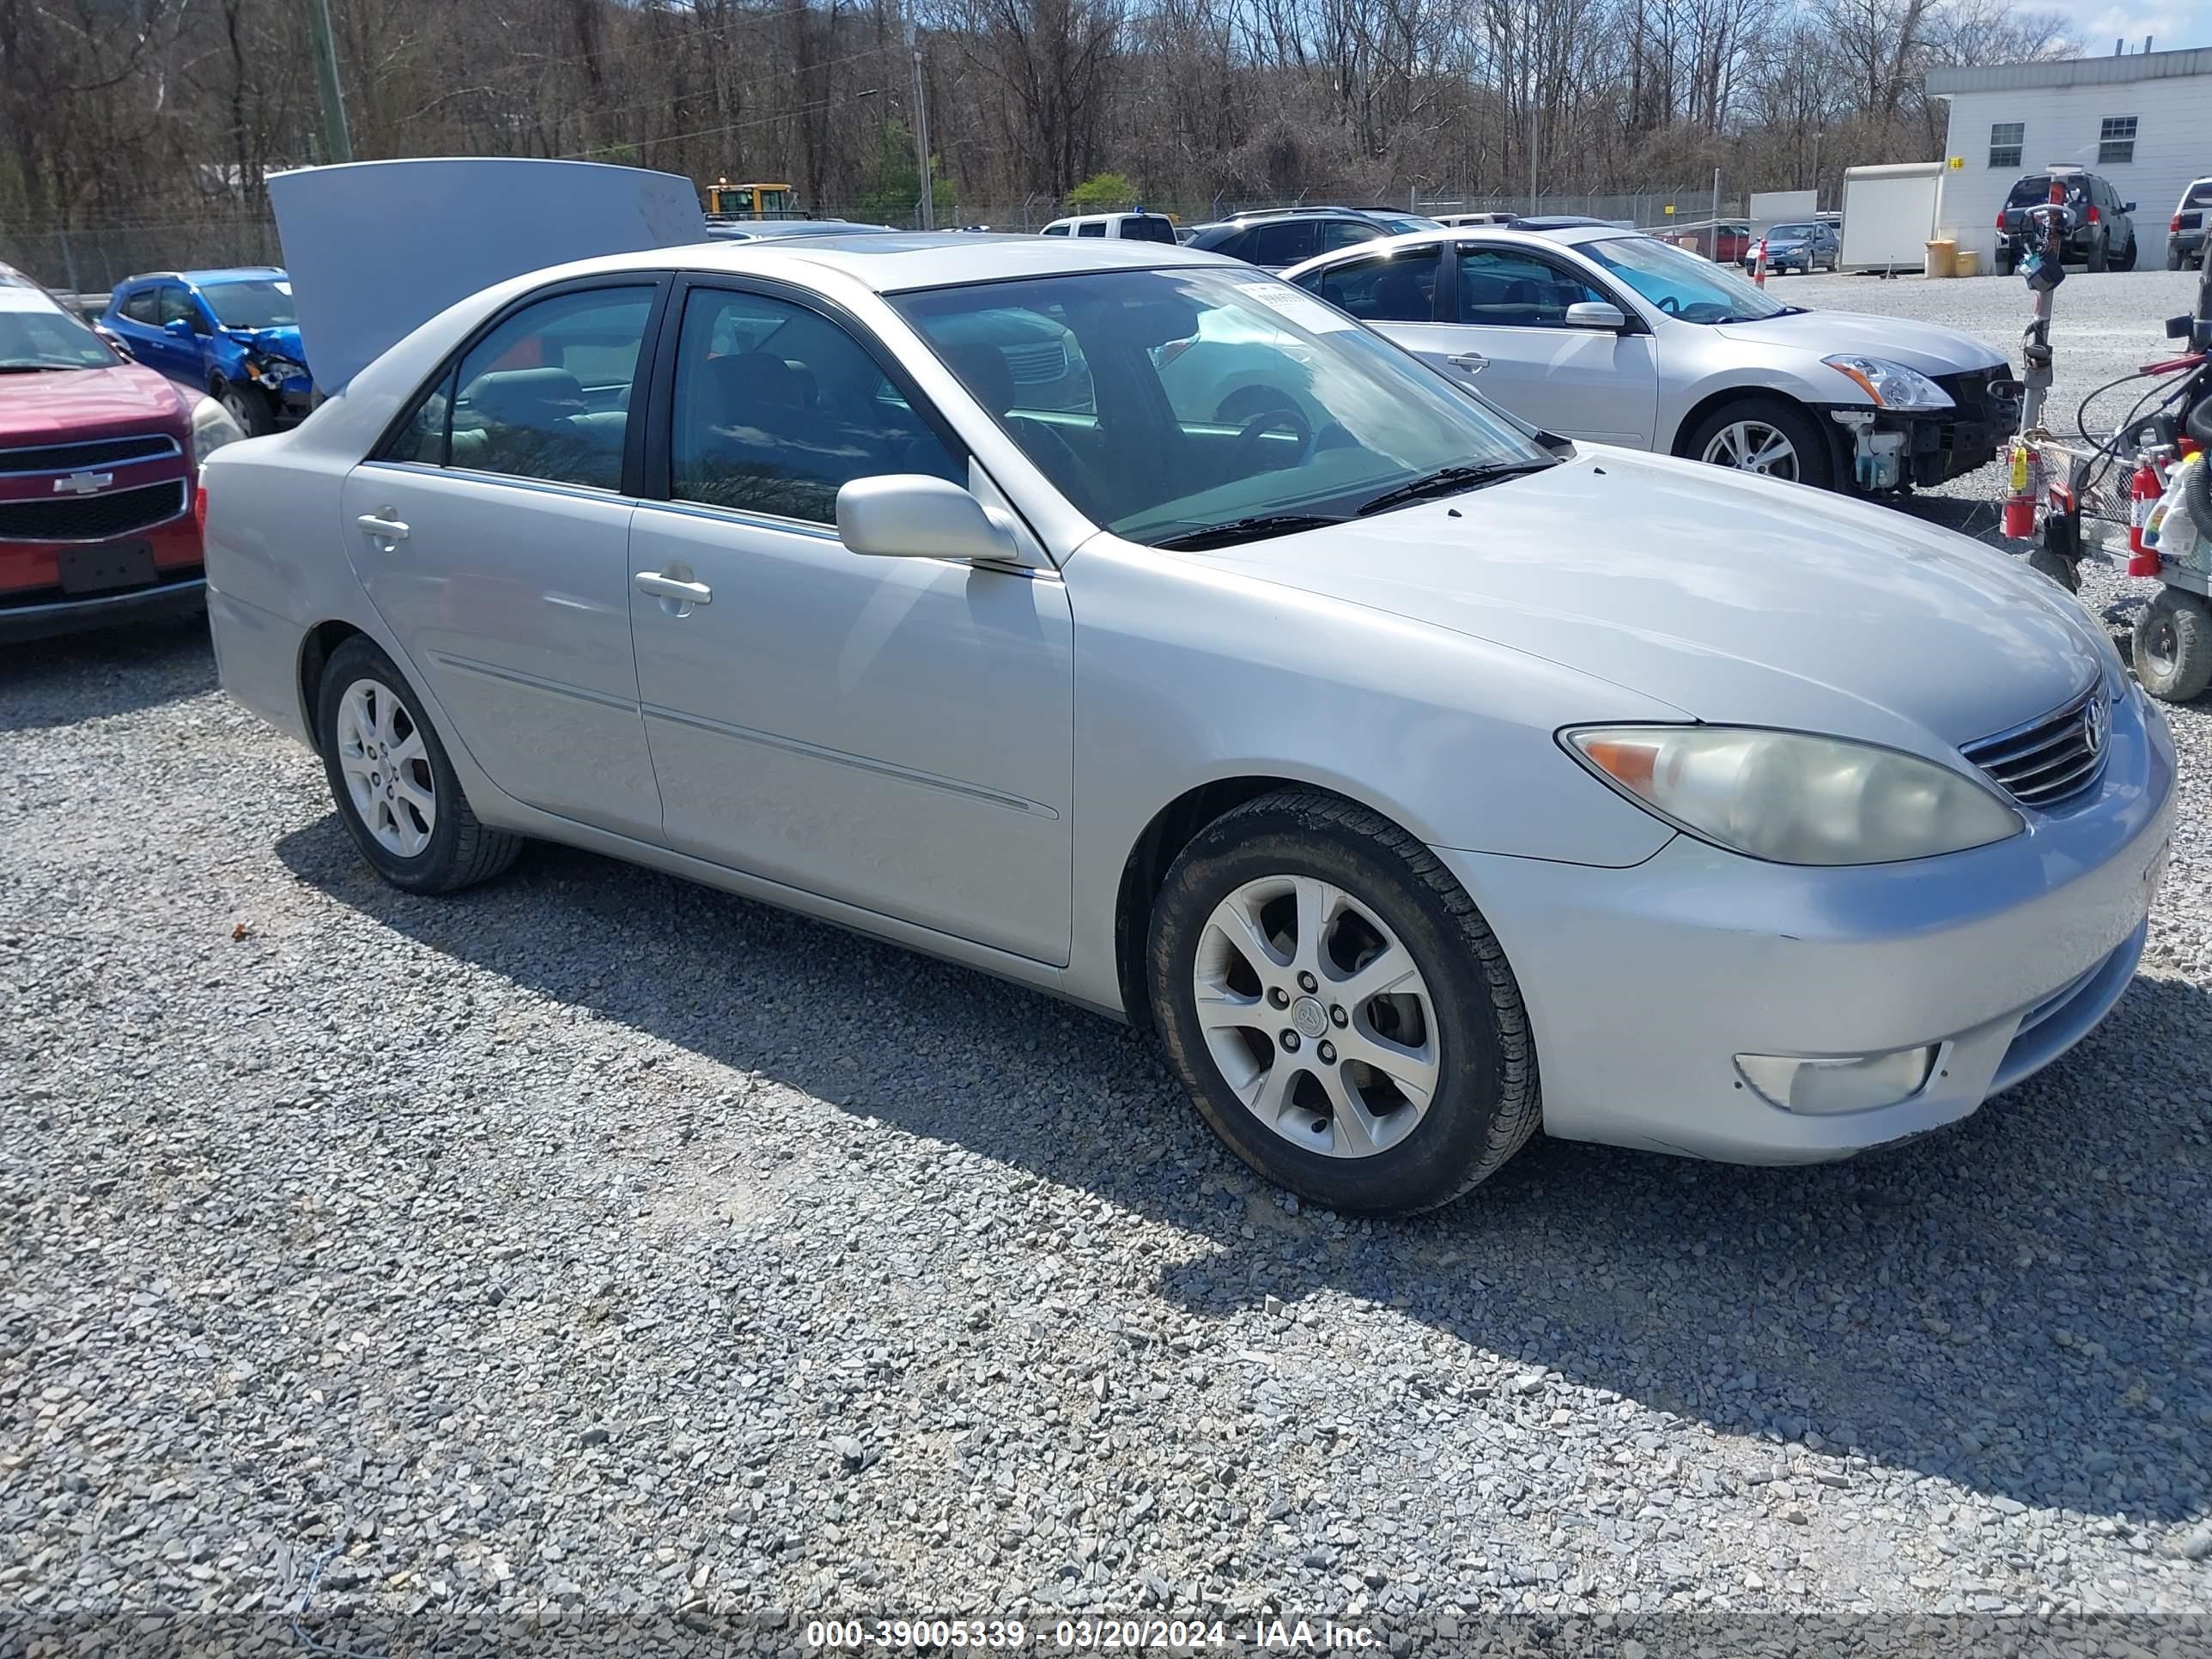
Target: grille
2047	761
101	452
91	518
1033	365
1972	393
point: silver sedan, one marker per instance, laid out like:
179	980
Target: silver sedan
1600	333
1421	782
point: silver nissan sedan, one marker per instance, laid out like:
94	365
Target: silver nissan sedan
1422	781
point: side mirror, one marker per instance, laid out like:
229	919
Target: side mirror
178	327
2127	207
1589	313
910	515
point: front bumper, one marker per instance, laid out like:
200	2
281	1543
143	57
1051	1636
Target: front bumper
1643	984
174	597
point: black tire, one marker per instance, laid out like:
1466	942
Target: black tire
2174	258
2172	647
1814	457
1486	1103
2008	267
461	851
2100	256
2064	572
247	404
2127	261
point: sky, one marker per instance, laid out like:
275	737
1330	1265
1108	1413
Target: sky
2174	24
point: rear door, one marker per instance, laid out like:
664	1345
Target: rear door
491	532
1504	332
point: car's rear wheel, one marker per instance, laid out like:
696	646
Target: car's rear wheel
1341	1014
2126	261
247	404
2100	256
393	784
1764	435
2174	258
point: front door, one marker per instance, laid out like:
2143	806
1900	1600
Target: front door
1509	340
495	546
895	734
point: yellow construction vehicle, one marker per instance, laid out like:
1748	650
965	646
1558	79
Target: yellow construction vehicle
727	201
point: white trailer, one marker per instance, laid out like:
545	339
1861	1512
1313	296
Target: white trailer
1890	215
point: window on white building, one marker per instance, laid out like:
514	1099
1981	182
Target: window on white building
2005	138
2116	140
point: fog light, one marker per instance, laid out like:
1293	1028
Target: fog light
1850	1082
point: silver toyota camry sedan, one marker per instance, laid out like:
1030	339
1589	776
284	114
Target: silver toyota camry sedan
1422	783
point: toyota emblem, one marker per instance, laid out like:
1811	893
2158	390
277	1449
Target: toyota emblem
2094	720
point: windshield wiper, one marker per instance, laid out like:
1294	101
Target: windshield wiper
36	369
1259	528
1450	481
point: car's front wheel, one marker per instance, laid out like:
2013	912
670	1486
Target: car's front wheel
1341	1014
1765	435
392	783
247	404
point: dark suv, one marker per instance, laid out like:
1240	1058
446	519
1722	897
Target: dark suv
1289	235
2102	237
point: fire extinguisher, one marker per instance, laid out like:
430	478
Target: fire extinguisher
2143	491
2020	504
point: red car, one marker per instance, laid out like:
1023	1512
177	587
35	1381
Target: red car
98	462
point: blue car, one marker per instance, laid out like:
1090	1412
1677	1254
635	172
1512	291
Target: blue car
232	334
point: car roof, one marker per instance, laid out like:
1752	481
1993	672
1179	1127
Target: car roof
1499	235
757	230
898	261
227	274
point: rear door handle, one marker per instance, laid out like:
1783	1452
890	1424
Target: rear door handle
673	589
381	526
1473	361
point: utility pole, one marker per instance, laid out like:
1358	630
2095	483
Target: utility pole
1817	136
921	131
1535	89
1716	213
337	145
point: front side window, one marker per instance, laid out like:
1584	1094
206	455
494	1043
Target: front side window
1148	228
777	408
1680	284
546	393
177	307
1387	287
1511	288
252	302
1092	227
1284	242
1055	230
2116	140
1226	401
2005	138
1347	233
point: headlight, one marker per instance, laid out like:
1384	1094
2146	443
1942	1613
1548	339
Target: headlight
1892	385
212	427
1791	799
273	372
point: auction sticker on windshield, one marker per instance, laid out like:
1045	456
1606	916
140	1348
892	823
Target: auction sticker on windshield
1297	306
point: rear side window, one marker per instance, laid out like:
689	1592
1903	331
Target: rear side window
1285	242
546	393
2200	194
140	308
1382	289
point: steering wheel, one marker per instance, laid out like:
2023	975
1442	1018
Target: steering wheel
1244	456
1670	305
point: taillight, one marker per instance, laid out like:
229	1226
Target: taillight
2000	218
2093	212
199	509
2174	228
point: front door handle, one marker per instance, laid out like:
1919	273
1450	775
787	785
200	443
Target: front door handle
1473	362
381	526
674	589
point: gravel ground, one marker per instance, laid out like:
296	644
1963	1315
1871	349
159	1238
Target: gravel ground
595	1242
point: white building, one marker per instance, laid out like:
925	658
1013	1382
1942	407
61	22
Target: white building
2143	121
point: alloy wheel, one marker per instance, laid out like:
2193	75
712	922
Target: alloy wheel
2160	641
386	768
1317	1016
1752	446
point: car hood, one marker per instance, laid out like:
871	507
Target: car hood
1737	600
73	404
1924	346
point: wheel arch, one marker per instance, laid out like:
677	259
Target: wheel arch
316	647
1746	392
1145	871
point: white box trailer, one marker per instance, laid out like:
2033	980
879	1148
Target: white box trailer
1890	214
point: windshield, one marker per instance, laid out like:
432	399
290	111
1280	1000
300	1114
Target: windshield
1792	233
1682	284
41	336
1172	403
255	302
1401	225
